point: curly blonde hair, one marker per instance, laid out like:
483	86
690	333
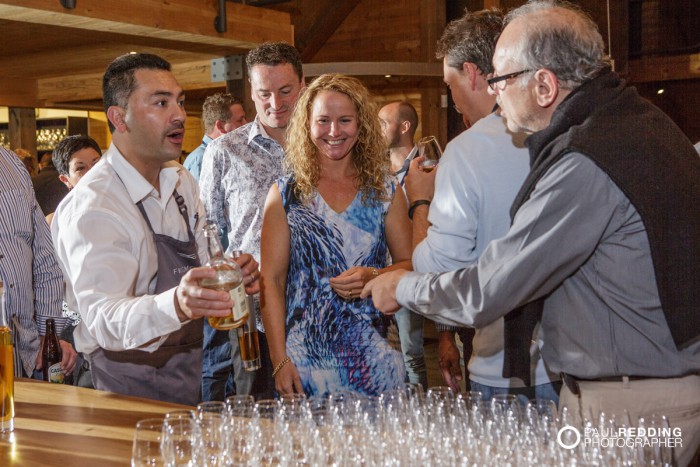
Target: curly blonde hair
369	153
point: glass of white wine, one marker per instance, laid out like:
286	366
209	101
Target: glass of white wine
429	148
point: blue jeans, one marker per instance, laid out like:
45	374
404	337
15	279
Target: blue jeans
541	391
410	326
217	368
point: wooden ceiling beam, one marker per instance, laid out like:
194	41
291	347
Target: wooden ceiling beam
190	21
18	92
374	68
51	91
83	59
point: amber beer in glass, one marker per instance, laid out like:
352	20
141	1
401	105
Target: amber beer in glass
229	278
248	334
429	148
248	340
7	371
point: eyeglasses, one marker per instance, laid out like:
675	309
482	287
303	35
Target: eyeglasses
495	80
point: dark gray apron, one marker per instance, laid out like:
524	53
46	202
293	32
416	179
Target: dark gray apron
172	373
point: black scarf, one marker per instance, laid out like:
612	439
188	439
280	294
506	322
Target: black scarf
654	164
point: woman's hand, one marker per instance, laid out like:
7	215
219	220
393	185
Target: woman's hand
350	283
287	380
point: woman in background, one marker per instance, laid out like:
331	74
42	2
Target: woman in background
328	229
73	157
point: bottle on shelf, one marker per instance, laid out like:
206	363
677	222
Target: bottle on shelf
7	370
248	334
229	278
51	355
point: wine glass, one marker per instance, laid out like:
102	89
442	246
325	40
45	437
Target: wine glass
213	444
148	438
181	442
429	148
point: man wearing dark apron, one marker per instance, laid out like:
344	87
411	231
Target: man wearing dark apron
173	372
131	266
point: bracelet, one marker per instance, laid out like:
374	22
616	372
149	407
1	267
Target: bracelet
415	204
279	366
375	273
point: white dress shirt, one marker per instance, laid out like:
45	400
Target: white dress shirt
108	256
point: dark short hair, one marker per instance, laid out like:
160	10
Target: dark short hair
118	81
273	54
471	39
217	107
64	150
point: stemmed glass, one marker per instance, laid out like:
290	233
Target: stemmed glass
429	148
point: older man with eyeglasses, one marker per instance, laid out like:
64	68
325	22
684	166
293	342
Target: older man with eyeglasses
605	237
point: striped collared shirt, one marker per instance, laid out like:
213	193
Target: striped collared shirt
28	267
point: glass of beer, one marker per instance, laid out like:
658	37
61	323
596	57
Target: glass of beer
7	372
248	340
429	148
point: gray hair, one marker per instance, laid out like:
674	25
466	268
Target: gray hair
566	42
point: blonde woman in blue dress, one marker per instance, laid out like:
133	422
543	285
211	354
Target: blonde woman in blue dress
328	229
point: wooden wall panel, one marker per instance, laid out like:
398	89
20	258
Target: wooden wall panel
680	100
22	128
397	31
376	30
413	97
194	131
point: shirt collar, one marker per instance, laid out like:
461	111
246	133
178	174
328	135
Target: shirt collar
257	129
136	185
407	161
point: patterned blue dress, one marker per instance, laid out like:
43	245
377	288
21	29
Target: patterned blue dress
337	344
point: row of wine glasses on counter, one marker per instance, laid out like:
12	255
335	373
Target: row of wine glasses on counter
403	427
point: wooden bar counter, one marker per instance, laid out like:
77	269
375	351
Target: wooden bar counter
57	425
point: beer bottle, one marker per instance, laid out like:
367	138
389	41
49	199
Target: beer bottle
51	354
7	374
229	278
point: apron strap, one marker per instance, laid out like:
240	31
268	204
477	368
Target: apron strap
180	205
